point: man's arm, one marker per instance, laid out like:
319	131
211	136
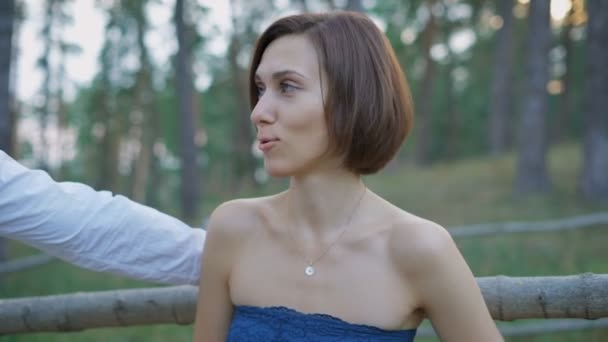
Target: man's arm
94	229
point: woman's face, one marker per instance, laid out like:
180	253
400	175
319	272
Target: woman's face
289	116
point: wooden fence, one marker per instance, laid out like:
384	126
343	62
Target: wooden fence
583	296
508	298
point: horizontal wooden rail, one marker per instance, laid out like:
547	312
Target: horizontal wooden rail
570	223
552	326
508	298
24	263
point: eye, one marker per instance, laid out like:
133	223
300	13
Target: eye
287	87
260	89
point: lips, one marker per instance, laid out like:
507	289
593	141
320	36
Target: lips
267	143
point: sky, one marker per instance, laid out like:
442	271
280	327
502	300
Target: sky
87	31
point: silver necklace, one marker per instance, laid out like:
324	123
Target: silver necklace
310	268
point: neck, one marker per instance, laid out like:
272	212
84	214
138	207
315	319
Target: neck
321	204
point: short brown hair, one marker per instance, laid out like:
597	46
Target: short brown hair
369	110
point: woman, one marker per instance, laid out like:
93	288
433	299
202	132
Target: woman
329	260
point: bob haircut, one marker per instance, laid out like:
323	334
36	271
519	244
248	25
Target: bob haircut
368	109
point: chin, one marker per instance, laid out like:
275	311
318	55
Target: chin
277	173
277	170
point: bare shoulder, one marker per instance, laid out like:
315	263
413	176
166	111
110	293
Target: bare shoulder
440	280
418	244
237	219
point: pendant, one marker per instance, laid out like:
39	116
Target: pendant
309	270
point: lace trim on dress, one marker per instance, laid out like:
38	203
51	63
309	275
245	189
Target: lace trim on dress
279	323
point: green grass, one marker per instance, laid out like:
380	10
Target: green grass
455	193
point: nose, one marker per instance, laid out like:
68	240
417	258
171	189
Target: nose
263	112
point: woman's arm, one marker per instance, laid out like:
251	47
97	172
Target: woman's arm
95	229
214	307
446	288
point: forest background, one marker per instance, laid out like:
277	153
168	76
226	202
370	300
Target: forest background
511	120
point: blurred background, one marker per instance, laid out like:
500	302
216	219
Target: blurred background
148	98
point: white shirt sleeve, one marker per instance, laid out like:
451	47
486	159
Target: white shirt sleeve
95	229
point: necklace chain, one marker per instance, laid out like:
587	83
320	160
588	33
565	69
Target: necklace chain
310	270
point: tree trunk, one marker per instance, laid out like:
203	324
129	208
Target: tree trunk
331	4
62	111
561	124
501	95
144	95
104	159
452	126
7	17
355	6
302	5
478	7
508	298
449	148
425	109
531	164
108	177
109	146
244	162
190	182
594	176
45	66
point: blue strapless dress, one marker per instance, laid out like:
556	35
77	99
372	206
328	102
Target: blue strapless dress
281	324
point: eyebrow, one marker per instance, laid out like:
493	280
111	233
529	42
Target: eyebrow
282	73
